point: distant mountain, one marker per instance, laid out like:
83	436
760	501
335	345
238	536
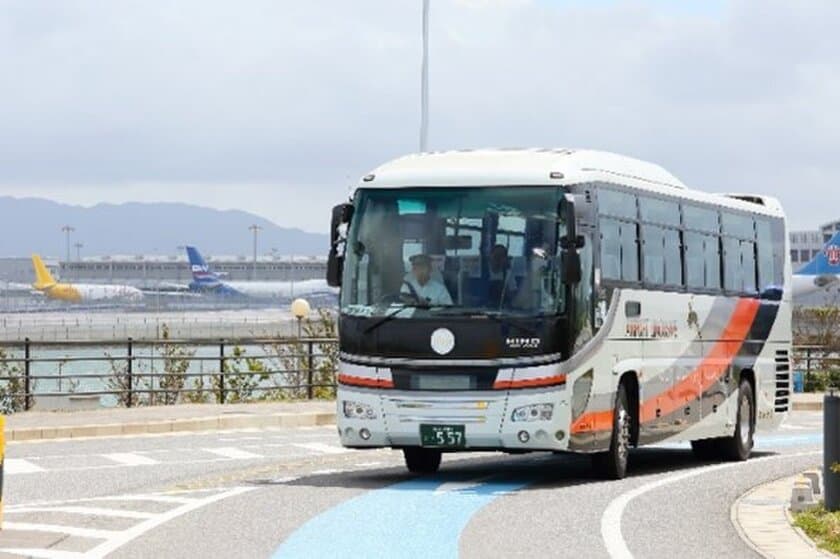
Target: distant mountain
30	225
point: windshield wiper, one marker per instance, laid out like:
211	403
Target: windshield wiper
393	314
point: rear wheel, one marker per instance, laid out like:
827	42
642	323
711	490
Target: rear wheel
613	463
420	460
739	446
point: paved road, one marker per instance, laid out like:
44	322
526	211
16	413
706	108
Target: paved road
296	493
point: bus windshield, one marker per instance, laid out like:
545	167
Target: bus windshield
458	251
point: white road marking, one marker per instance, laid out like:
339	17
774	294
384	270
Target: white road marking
126	536
451	486
94	511
44	553
233	452
130	459
113	539
60	529
611	519
323	448
13	466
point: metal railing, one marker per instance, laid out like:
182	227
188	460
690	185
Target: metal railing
167	371
819	364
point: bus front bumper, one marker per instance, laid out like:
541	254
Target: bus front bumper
380	418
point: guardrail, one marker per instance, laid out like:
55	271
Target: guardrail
167	371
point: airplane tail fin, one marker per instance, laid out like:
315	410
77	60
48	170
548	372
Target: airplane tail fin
826	262
200	270
43	277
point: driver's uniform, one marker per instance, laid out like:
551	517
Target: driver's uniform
432	293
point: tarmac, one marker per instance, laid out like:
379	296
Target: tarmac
109	422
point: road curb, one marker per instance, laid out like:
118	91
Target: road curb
760	517
193	424
808	406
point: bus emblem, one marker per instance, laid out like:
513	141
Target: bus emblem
443	341
832	252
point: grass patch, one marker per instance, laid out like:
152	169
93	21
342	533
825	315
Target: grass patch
821	526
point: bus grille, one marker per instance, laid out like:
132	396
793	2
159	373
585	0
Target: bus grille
783	387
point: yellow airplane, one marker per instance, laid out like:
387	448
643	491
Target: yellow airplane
46	284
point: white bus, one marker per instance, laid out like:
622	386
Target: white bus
557	300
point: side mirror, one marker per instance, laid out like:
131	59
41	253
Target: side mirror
571	272
341	214
335	268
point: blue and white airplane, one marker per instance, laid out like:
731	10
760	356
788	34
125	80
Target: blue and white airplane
207	281
821	272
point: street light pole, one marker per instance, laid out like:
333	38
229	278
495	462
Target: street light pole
256	229
78	246
424	82
67	229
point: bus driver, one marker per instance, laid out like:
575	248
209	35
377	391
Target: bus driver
420	284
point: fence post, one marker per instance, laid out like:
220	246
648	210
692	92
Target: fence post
27	386
129	374
808	367
309	370
222	371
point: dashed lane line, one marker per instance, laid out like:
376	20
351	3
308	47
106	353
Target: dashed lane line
131	459
13	466
233	452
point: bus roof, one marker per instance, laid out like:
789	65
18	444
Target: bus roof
545	166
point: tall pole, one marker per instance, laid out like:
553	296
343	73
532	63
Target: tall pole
78	251
256	229
67	229
424	82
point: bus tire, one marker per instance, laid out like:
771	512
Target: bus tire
739	446
613	463
420	460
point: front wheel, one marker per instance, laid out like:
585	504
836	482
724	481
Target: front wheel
613	463
420	460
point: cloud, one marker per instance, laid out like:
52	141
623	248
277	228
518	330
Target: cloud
292	101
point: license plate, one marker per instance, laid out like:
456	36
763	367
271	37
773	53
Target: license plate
447	436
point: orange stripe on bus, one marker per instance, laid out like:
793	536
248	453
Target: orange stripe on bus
530	382
364	381
714	364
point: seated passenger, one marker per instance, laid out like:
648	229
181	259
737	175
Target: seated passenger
422	286
501	283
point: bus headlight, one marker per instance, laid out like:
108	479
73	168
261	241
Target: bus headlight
534	412
358	410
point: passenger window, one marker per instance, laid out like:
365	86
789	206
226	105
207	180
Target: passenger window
654	251
619	250
655	210
700	219
732	265
673	260
766	273
737	225
748	266
618	204
695	264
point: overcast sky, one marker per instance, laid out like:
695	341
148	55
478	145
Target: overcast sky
276	107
